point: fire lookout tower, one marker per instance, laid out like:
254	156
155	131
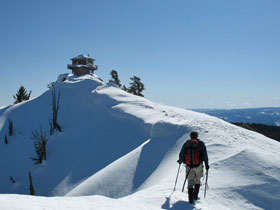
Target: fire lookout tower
82	64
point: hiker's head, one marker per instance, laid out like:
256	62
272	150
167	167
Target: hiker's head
194	135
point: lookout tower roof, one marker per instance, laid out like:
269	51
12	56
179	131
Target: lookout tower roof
82	57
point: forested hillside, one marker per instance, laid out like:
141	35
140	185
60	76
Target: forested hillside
267	130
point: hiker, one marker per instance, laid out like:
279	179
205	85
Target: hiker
193	153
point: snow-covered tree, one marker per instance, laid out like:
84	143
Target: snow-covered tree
21	95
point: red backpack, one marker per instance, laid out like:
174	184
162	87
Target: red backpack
192	153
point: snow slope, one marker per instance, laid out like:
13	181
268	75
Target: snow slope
125	147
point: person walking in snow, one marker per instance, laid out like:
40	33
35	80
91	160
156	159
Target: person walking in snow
193	154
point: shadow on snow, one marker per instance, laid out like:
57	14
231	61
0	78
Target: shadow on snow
179	205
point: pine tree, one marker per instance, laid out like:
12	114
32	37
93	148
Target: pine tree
11	128
136	87
6	139
115	78
125	88
21	95
31	188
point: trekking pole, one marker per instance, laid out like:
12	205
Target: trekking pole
186	180
206	185
177	177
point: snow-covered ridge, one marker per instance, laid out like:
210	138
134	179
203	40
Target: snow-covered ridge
116	144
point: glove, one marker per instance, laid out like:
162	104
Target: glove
207	167
178	161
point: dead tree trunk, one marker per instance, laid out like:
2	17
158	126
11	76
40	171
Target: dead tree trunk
55	109
31	188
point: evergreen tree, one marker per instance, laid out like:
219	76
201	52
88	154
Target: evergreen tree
125	88
11	128
21	95
6	140
31	188
115	78
136	87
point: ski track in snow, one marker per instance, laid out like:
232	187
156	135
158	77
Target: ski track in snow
125	147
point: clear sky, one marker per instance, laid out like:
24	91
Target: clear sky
188	53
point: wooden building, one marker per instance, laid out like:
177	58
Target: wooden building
82	64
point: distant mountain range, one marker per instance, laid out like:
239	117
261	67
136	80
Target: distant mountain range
267	115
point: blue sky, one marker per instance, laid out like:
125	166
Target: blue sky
188	53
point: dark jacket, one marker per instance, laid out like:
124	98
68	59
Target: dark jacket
202	153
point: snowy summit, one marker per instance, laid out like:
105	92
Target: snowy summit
119	151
